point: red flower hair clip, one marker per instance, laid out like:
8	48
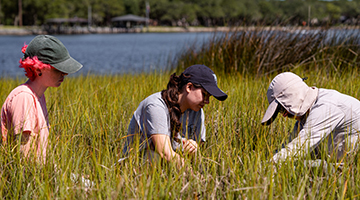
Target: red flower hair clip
23	49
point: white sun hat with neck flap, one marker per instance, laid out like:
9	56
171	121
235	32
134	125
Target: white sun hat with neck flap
292	93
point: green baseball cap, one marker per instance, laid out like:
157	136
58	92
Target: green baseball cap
52	51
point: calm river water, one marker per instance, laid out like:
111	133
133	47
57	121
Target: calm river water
107	53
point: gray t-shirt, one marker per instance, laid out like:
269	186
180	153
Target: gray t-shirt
335	117
152	117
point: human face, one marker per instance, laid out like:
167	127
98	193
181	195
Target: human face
286	113
52	77
197	97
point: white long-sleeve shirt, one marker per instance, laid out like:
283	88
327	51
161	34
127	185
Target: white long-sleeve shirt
335	118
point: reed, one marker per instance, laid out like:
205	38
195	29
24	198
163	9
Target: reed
89	117
266	50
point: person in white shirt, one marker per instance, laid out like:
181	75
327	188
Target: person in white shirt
324	117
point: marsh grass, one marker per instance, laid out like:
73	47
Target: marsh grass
267	50
89	117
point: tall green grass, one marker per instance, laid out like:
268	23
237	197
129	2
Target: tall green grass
89	117
266	50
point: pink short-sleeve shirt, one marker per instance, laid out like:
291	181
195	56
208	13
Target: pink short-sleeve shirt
24	111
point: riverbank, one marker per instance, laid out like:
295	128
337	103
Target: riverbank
35	30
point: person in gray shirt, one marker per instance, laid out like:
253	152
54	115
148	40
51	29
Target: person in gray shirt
173	119
324	117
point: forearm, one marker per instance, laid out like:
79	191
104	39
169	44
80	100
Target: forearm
299	146
174	158
163	148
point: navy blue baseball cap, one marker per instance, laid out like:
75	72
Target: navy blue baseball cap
204	76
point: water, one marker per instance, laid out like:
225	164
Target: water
108	53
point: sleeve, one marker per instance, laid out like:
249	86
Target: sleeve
23	111
193	125
201	126
155	120
319	124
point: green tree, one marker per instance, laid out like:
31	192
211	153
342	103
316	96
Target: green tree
333	11
104	10
133	7
10	10
270	13
210	11
252	13
157	8
1	13
34	11
172	12
232	10
207	12
169	12
294	11
350	10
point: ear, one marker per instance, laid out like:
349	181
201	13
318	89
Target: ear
188	87
38	71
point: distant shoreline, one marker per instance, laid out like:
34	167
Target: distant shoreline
31	30
6	30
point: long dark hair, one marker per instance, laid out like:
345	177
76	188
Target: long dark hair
171	97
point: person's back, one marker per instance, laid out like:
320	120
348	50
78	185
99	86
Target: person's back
338	115
322	115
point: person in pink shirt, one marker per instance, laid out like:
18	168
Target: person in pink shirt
24	116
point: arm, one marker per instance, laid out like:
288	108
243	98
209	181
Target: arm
27	126
23	114
163	147
321	121
25	141
25	137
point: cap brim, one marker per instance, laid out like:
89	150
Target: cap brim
68	66
270	113
216	92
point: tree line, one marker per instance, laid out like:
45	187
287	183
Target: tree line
186	12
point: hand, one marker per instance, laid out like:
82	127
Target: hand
190	146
